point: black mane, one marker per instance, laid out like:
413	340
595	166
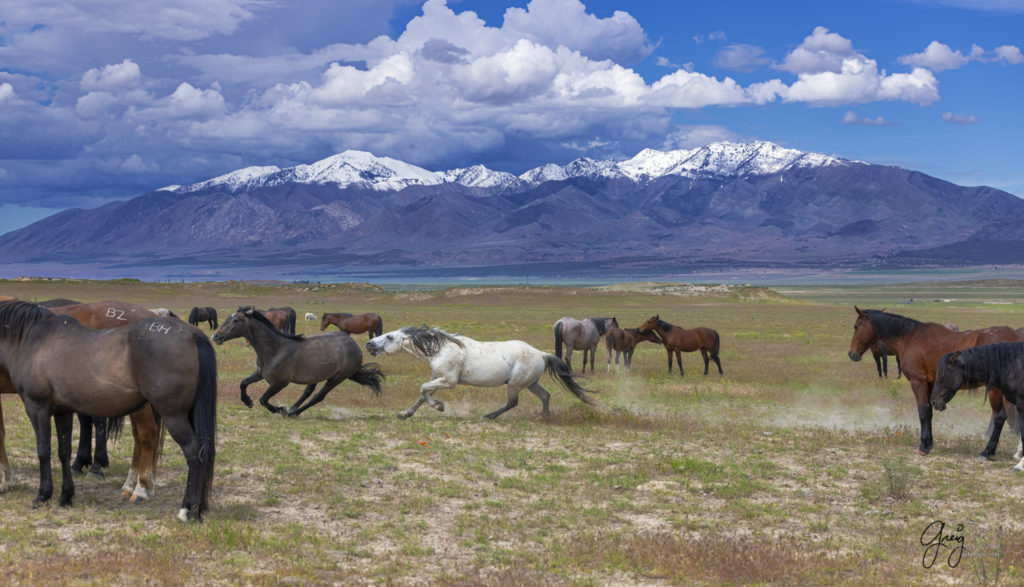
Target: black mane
995	364
600	324
429	341
664	325
253	312
17	317
888	326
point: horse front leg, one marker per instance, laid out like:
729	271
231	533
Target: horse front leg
6	470
922	394
1019	467
995	427
256	376
65	424
40	418
426	390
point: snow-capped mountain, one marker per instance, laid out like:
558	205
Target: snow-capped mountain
721	205
366	170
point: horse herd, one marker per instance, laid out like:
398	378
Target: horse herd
109	359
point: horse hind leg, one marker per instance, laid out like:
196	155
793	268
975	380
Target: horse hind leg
83	458
6	471
141	479
320	395
707	360
513	401
305	393
545	398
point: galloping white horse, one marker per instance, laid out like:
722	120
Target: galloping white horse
455	359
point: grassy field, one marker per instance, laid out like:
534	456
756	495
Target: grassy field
796	466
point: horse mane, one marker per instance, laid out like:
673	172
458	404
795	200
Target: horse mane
888	325
664	325
263	319
987	363
429	341
17	317
600	324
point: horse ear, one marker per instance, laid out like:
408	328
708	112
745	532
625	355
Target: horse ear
249	311
859	311
954	358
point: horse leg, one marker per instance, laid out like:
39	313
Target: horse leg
707	360
544	396
718	363
922	393
627	359
6	471
320	395
269	393
426	390
513	397
995	400
100	459
181	431
899	369
256	376
40	418
83	458
65	424
146	432
669	361
305	393
679	360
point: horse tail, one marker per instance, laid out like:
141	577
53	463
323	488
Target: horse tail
380	326
370	376
114	427
193	319
558	340
289	323
718	344
204	417
560	372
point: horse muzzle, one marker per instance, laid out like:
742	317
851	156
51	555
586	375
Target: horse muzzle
854	355
938	404
373	348
217	339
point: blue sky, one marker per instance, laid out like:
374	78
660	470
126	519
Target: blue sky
108	99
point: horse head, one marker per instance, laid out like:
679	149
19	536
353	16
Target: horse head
235	326
864	336
649	324
950	376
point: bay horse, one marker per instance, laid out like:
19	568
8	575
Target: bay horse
623	341
58	367
283	358
999	365
206	314
456	359
919	346
147	430
581	335
685	340
282	318
881	354
354	323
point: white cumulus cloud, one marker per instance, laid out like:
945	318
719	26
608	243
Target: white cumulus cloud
112	78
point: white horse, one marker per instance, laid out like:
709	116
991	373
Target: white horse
311	317
455	359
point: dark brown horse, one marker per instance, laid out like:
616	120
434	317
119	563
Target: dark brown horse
919	346
147	430
206	314
282	318
623	341
354	323
59	367
677	340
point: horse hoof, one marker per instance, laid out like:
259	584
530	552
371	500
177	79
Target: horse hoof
924	451
96	473
65	502
183	515
402	415
126	495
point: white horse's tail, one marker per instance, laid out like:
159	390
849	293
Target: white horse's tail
561	373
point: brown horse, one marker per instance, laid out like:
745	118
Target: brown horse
353	323
147	431
919	346
623	341
282	318
678	340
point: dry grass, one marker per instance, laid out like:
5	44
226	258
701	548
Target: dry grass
778	472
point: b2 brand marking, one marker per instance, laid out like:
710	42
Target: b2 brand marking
116	314
159	327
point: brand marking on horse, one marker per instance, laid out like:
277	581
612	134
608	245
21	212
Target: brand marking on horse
159	327
116	314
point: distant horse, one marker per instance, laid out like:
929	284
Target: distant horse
581	335
147	429
206	314
59	367
310	317
282	318
455	359
920	345
881	354
685	340
286	358
354	323
999	365
163	312
623	341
